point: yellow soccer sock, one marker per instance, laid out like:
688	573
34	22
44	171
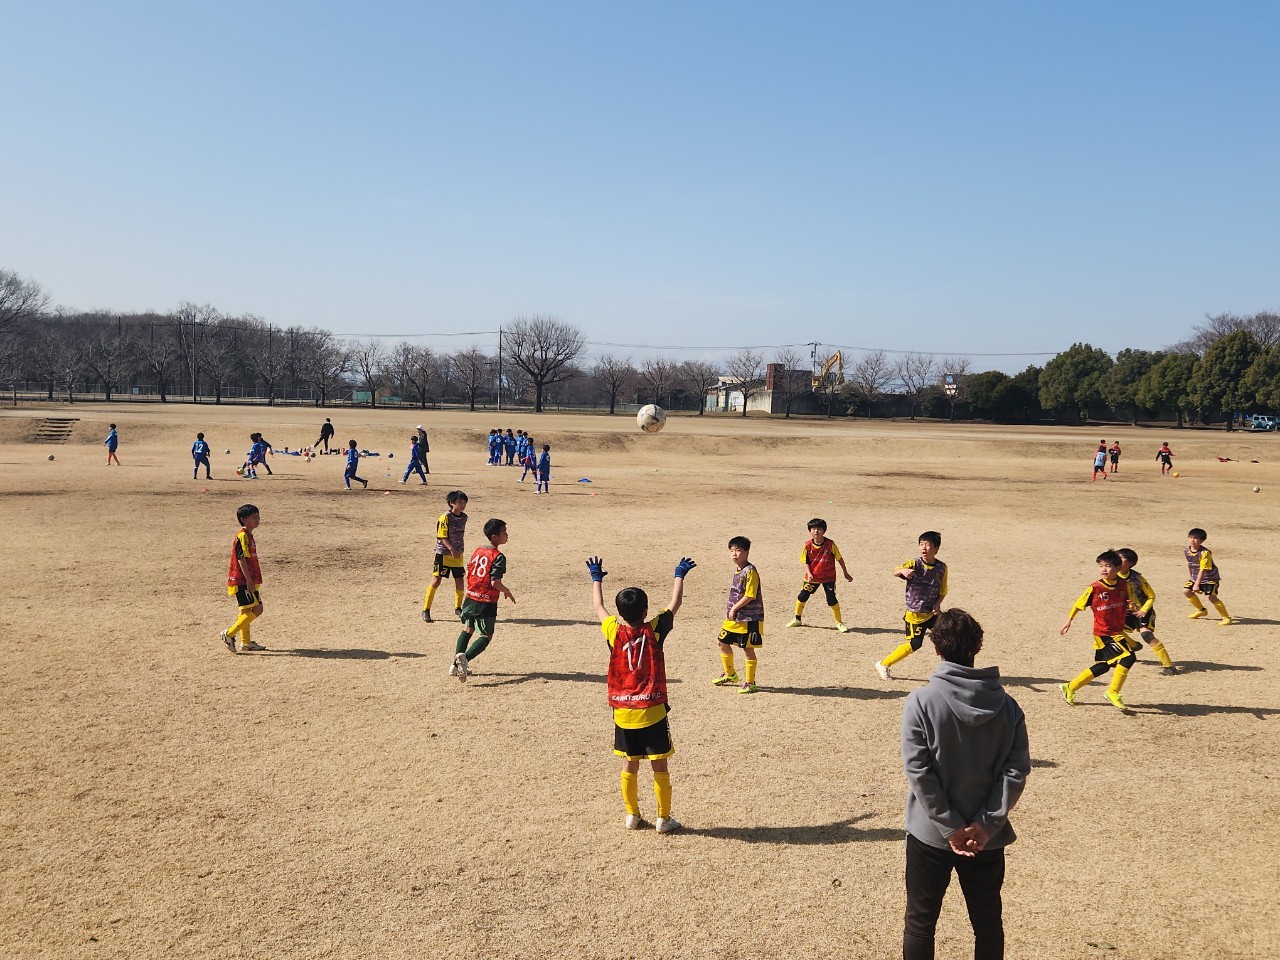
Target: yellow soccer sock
662	790
726	660
431	597
242	621
1122	674
835	612
246	637
631	793
1158	649
458	597
1080	681
1219	606
901	653
799	609
1195	602
749	669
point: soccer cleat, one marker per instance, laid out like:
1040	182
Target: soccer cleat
1068	694
667	825
251	645
725	679
1197	615
748	688
634	821
404	481
229	640
1171	671
795	622
426	617
883	672
1116	700
366	484
461	662
843	627
453	668
1225	622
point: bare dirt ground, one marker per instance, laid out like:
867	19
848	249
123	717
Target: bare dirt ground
341	796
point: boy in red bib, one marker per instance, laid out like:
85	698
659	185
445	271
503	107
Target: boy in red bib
1109	597
244	582
485	570
638	688
820	556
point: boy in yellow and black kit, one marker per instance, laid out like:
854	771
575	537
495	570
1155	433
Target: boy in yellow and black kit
743	619
450	529
820	556
1204	577
244	582
1110	599
1142	614
926	578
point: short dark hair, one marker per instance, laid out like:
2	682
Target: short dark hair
546	448
352	444
819	523
113	426
931	536
1198	533
1108	556
742	543
199	436
453	496
245	512
957	636
1127	553
632	604
494	527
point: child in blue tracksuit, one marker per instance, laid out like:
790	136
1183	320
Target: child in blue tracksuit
544	470
258	453
200	454
415	461
111	443
495	447
353	464
509	446
529	460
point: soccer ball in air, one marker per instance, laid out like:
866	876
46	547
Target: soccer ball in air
651	418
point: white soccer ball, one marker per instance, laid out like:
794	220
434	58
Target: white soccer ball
651	418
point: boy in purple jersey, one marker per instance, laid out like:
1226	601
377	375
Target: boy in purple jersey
1142	609
926	578
743	620
1204	577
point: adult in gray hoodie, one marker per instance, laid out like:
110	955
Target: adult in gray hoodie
965	753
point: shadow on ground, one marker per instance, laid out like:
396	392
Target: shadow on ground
818	834
343	654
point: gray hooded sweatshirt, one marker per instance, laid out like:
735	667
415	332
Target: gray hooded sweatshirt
965	753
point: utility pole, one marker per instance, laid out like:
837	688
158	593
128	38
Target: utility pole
499	368
813	355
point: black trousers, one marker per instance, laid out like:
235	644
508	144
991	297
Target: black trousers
928	876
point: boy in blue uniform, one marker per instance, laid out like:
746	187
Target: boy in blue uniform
112	441
544	470
258	453
509	447
353	464
415	461
495	447
200	454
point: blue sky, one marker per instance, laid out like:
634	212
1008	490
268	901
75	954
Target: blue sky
998	178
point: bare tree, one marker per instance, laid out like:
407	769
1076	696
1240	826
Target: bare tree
417	370
657	374
612	376
20	300
743	369
471	370
1263	327
324	361
544	348
369	359
917	372
266	353
108	355
869	378
954	378
193	321
160	353
701	376
789	381
219	355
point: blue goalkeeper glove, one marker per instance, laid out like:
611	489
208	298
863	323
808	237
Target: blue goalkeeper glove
596	566
684	566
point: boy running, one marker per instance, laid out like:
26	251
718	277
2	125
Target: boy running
1100	460
1142	617
1205	577
200	454
485	570
353	464
244	582
820	556
450	529
1165	456
743	619
415	461
926	578
637	688
1109	596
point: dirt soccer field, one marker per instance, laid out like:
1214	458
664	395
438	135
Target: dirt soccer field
341	796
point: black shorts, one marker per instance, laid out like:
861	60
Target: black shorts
914	632
1207	587
753	637
440	570
646	743
247	598
1113	649
810	588
1144	621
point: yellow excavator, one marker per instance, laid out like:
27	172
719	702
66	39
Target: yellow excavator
833	363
